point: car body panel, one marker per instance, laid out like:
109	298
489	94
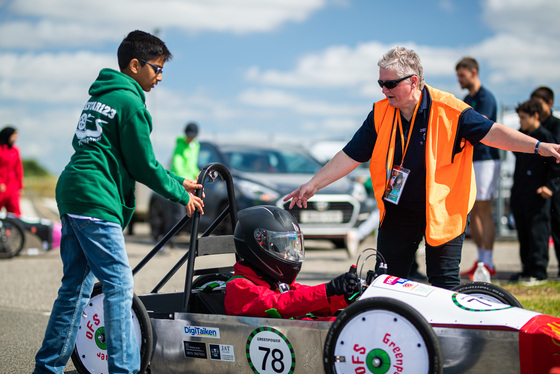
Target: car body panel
475	335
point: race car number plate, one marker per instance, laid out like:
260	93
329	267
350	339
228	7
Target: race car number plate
331	216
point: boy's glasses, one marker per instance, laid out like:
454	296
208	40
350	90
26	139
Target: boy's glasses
393	82
157	69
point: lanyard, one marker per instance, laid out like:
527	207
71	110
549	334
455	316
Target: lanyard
399	121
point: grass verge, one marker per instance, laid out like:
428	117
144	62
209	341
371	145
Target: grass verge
544	298
42	186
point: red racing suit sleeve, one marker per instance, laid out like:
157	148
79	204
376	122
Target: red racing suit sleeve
250	296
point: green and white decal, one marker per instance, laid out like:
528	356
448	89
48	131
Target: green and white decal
270	352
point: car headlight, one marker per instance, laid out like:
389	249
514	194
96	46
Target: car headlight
256	191
359	192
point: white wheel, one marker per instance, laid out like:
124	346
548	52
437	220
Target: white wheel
381	335
90	352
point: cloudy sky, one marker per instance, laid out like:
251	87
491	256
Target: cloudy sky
260	70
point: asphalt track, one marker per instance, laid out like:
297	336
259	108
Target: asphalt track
30	282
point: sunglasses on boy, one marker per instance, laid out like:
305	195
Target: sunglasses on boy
393	82
158	70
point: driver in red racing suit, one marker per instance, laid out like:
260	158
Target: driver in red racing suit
270	243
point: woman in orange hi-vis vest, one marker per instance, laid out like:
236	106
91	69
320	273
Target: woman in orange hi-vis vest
420	142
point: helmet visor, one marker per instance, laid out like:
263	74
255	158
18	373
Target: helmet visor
286	245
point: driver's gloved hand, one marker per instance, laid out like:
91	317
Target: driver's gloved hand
346	285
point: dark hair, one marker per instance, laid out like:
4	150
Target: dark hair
142	46
543	93
5	135
468	63
191	129
530	107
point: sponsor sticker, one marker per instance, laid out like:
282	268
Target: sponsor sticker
195	349
221	352
407	285
203	332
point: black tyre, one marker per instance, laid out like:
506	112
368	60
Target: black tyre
90	352
377	334
339	242
489	292
157	218
224	228
12	238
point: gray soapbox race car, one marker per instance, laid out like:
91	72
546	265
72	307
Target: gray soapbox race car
396	326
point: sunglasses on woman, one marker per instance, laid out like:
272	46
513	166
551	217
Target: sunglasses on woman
393	82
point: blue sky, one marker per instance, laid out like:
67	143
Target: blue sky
259	70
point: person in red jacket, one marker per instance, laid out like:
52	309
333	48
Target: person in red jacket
11	171
270	243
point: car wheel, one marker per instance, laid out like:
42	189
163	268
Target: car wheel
224	228
489	292
365	337
12	238
339	242
90	352
157	219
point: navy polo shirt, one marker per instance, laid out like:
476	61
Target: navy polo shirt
484	103
472	127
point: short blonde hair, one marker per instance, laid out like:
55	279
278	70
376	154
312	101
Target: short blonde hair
404	62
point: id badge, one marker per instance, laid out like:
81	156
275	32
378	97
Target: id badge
396	184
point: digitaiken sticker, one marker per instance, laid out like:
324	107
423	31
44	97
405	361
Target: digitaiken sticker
203	332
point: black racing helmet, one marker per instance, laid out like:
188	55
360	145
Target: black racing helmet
269	238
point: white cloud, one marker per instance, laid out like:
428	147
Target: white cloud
70	22
48	32
515	60
298	104
533	20
60	78
336	66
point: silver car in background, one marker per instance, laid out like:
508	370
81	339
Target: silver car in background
266	173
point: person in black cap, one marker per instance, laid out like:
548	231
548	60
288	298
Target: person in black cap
185	155
184	163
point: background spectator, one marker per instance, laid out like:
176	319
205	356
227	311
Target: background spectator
552	124
11	171
535	180
486	163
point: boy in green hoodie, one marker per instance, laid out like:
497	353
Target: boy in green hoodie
95	197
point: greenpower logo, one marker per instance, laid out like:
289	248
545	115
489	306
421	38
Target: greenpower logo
270	352
100	338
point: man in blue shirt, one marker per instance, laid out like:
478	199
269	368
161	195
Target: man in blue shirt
486	163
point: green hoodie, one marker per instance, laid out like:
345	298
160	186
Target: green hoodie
185	158
112	150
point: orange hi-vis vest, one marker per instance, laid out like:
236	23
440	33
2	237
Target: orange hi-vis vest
450	181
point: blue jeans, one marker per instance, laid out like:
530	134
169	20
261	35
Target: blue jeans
91	249
398	240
